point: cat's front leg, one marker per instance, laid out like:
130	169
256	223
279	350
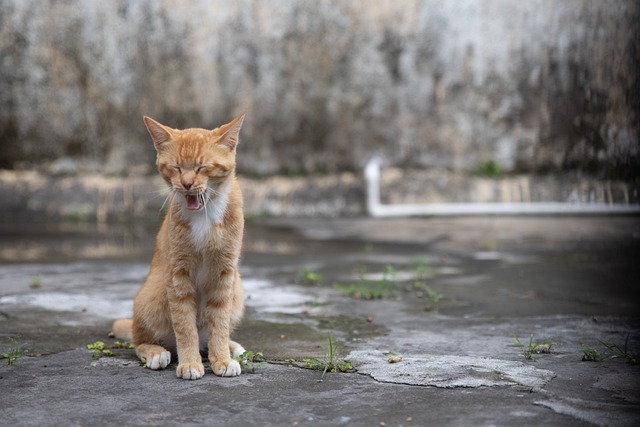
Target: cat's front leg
220	312
219	352
182	304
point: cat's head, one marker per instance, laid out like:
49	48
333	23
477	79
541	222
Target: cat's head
197	164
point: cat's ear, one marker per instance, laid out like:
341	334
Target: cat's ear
160	134
231	132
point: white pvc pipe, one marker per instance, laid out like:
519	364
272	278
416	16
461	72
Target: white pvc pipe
378	210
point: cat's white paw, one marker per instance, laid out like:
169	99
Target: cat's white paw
190	371
230	369
159	361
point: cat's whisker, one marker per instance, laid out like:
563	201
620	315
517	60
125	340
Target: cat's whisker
159	192
204	202
210	191
165	203
172	194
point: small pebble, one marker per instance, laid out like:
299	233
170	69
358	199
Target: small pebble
394	358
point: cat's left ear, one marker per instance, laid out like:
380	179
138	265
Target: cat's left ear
231	133
160	134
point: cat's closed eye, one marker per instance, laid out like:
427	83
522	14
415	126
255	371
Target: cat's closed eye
220	171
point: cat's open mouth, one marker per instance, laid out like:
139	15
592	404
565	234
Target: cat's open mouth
194	201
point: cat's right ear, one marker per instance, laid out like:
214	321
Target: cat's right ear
160	134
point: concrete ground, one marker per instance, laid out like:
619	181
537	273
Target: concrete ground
423	314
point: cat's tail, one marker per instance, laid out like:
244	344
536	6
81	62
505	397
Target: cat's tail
123	329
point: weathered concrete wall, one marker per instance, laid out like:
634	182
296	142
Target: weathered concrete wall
536	85
31	196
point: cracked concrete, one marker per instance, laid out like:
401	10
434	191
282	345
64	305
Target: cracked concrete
564	281
450	371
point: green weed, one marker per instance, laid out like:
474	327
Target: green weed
434	296
330	363
123	344
391	273
35	283
532	348
310	277
590	354
420	269
489	169
372	289
99	350
13	355
610	352
76	217
251	361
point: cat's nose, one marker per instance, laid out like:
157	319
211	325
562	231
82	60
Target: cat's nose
186	185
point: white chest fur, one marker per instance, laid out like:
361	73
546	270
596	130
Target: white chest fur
201	224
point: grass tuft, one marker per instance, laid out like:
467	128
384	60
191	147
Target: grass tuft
14	354
310	277
372	289
610	352
251	361
330	363
528	350
99	350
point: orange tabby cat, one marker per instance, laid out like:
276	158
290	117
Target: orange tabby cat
193	291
